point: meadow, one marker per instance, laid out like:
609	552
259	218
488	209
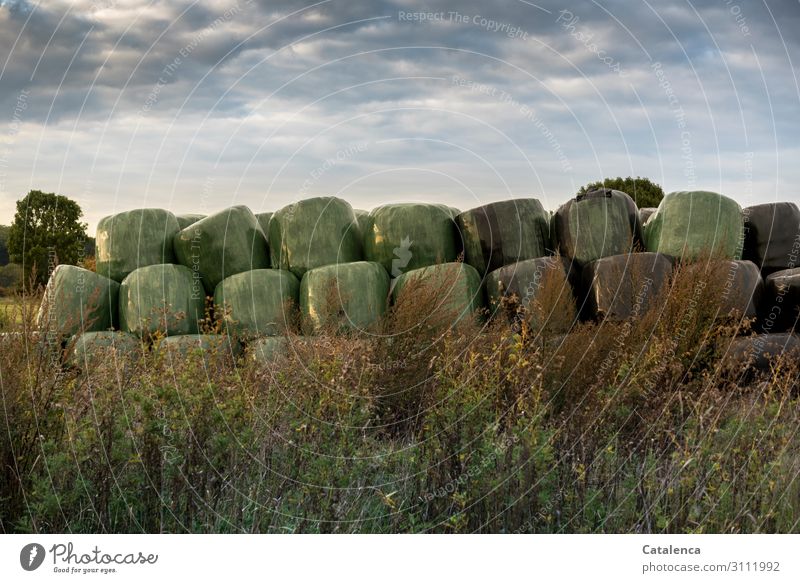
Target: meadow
568	426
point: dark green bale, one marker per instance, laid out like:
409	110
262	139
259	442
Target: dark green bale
693	224
184	345
502	233
268	350
457	285
78	300
348	296
263	221
364	223
166	299
92	349
221	245
188	219
597	224
254	303
134	239
407	236
624	286
312	233
772	236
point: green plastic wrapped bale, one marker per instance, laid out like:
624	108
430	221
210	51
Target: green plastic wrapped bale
692	224
364	223
268	350
254	303
78	300
207	344
408	236
263	221
624	286
161	298
597	224
458	288
352	295
502	233
537	290
134	239
188	219
312	233
221	245
92	349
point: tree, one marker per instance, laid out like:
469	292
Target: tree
643	191
46	231
4	245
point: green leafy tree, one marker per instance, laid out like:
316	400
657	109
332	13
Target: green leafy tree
46	231
643	191
4	244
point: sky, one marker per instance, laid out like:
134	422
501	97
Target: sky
198	106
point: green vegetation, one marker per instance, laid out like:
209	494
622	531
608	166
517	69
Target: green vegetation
643	191
634	426
46	231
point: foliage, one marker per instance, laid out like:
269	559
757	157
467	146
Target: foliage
617	426
46	231
4	229
643	191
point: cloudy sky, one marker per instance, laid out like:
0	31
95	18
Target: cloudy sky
196	106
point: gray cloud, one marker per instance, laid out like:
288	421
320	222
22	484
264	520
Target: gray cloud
196	105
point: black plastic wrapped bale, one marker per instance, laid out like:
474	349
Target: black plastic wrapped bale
645	213
600	223
624	286
781	302
263	221
693	224
755	356
407	236
93	349
502	233
457	285
255	303
161	299
134	239
537	290
312	233
743	289
78	300
772	236
221	245
188	219
345	296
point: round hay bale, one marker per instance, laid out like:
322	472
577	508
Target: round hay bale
263	221
407	236
457	285
208	345
502	233
754	356
534	289
312	233
164	299
352	296
624	286
771	236
693	224
742	288
78	300
93	349
268	350
188	219
600	223
134	239
780	305
254	303
364	223
645	213
223	244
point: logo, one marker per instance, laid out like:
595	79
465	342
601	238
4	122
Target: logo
402	256
31	556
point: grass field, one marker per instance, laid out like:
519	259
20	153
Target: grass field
636	426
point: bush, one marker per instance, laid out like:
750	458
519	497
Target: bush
643	191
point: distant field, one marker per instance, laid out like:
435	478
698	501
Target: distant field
10	311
